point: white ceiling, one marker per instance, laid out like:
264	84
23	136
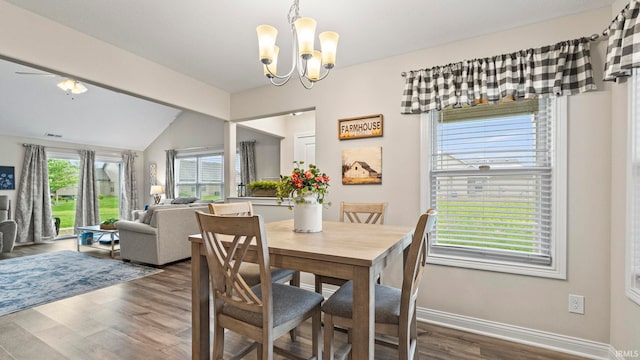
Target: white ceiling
32	105
214	41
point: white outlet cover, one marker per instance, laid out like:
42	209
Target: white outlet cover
576	304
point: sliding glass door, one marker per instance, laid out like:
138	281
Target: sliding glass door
63	186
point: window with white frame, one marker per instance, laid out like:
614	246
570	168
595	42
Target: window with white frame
497	176
632	273
200	176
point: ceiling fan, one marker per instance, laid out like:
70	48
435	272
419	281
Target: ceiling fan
68	85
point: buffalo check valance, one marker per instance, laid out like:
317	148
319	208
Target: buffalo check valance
623	48
560	69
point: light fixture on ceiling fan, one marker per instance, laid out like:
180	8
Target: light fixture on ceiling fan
305	58
69	85
72	86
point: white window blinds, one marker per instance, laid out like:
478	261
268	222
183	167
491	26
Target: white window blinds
633	189
491	181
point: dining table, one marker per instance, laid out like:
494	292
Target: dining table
357	252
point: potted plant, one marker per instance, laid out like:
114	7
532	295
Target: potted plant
263	188
109	224
307	188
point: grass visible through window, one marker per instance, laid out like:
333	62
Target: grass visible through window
503	225
65	209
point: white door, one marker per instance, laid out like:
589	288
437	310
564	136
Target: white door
304	148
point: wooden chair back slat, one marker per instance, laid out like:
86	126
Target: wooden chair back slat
246	232
232	209
374	212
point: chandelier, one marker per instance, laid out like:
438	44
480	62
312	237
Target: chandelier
308	61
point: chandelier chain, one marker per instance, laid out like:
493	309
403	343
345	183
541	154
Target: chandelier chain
294	13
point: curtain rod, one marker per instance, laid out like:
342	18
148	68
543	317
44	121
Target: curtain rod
71	149
195	148
593	38
214	147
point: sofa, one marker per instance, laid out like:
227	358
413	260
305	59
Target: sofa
158	236
8	227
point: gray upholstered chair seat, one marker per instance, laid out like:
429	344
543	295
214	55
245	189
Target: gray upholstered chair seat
251	273
8	227
387	303
289	302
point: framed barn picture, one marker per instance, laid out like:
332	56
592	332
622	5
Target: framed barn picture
7	178
362	166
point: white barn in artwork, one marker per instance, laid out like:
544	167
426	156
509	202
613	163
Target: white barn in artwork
360	169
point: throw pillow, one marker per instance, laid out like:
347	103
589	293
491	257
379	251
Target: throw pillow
139	215
148	215
184	200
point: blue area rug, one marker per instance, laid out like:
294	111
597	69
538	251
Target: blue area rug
39	279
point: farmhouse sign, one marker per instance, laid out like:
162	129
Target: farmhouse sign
360	127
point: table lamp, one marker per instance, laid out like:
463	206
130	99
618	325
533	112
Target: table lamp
156	191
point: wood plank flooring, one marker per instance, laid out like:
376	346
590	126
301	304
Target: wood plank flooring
150	318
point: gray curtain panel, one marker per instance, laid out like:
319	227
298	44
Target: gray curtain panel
33	207
170	179
129	188
560	69
623	46
87	210
247	161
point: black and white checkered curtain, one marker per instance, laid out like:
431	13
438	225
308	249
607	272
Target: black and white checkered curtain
560	69
623	49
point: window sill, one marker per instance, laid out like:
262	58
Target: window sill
551	272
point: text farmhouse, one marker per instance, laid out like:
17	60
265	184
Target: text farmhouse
359	127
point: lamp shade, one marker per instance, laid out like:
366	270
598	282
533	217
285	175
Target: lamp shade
267	35
329	47
306	32
313	66
156	190
273	67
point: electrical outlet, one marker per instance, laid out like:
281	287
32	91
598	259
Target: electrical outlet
576	304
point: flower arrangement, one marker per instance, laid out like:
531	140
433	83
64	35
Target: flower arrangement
303	182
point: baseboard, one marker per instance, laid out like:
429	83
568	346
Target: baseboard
556	342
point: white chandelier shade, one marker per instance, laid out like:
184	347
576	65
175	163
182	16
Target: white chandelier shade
308	61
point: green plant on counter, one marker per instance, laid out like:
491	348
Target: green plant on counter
262	185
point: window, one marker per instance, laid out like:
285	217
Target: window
200	176
632	273
497	176
63	169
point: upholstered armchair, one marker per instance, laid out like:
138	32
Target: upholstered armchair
8	227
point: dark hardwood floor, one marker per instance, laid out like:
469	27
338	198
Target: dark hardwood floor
150	318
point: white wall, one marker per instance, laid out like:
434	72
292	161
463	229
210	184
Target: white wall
303	123
267	149
529	302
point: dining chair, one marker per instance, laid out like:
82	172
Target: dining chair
251	272
262	312
364	213
395	309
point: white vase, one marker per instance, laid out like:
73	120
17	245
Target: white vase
307	215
